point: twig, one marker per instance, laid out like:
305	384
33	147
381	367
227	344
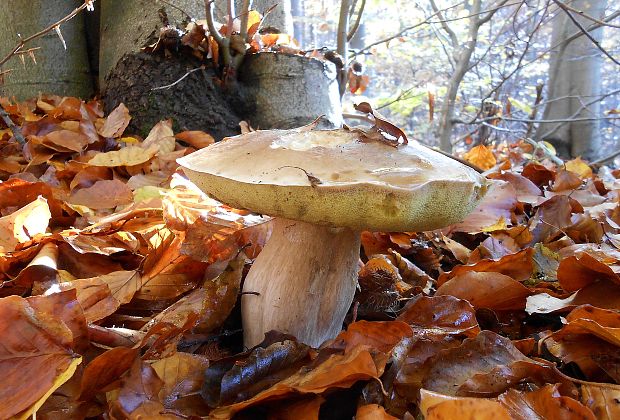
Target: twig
583	107
587	16
428	21
444	24
538	145
174	6
539	96
178	81
606	158
42	32
245	15
14	128
585	31
356	24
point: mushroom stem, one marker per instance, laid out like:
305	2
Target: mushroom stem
305	277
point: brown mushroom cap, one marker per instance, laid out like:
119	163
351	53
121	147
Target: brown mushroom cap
337	178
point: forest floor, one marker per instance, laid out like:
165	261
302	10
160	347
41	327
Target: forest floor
115	299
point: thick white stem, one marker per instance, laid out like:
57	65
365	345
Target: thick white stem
305	278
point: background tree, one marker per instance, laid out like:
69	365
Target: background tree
574	80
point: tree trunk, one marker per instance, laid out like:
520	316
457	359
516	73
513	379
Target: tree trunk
133	77
288	91
58	71
280	16
574	80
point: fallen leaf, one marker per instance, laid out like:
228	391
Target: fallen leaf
116	122
37	353
24	224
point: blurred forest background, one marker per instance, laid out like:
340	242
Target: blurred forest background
497	60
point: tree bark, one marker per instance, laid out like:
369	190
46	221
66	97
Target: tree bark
288	91
135	78
574	80
280	16
58	71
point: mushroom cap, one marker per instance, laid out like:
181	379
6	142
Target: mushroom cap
336	178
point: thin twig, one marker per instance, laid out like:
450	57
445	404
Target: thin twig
606	158
174	6
585	31
42	32
14	128
444	24
356	24
588	17
178	81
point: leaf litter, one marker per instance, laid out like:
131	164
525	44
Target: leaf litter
120	282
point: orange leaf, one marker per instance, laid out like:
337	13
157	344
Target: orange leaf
481	156
37	352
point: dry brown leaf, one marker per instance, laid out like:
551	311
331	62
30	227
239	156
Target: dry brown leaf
65	141
579	167
183	376
102	195
440	315
602	399
127	156
372	412
160	137
210	304
196	139
24	224
544	403
578	271
138	396
105	370
116	122
519	266
338	371
37	353
486	290
493	212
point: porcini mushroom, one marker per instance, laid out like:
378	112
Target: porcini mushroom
323	188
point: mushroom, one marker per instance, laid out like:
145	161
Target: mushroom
324	188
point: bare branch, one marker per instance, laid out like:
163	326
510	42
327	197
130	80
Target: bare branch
356	24
585	31
484	19
587	16
42	32
245	14
14	128
444	24
583	106
211	22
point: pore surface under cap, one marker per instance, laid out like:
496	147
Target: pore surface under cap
336	178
